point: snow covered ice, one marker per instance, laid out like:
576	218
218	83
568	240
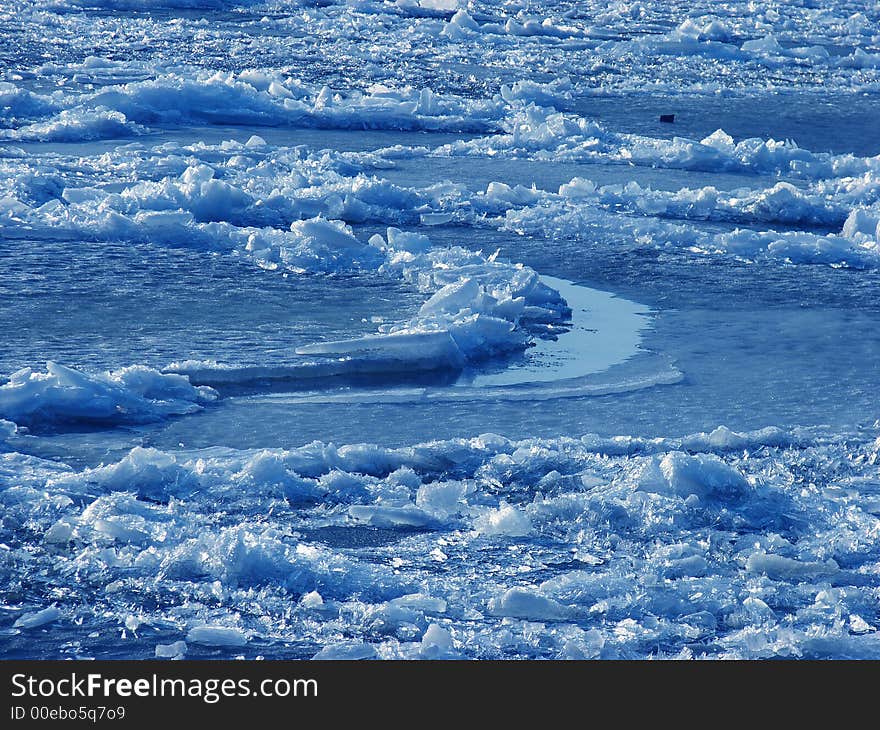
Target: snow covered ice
407	330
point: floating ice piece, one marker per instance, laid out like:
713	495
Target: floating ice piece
778	567
435	219
420	602
386	516
524	604
120	532
858	625
506	520
436	643
136	394
462	25
150	472
217	636
176	650
860	58
452	298
251	97
60	532
348	652
75	125
546	134
407	241
586	645
19	103
36	619
268	467
768	45
722	438
311	600
703	475
441	498
554	94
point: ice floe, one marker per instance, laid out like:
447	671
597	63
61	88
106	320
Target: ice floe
134	394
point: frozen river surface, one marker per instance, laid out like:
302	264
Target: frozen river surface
408	330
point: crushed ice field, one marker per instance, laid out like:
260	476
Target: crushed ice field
406	330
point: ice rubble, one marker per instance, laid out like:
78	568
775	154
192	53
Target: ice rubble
478	306
462	26
136	394
547	134
238	197
72	125
610	47
580	208
523	120
253	97
738	548
717	544
18	104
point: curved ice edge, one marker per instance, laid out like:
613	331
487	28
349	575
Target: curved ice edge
310	374
603	330
642	371
431	358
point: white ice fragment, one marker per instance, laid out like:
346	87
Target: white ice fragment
7	430
440	4
60	532
767	45
36	619
452	298
440	497
523	604
311	600
436	643
463	20
420	602
505	520
858	625
390	516
862	224
778	567
171	651
119	531
279	91
216	636
407	241
435	219
349	652
703	475
588	645
130	395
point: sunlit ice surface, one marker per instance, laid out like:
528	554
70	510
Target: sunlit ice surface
410	330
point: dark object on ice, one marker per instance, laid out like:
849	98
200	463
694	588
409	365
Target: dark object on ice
668	118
